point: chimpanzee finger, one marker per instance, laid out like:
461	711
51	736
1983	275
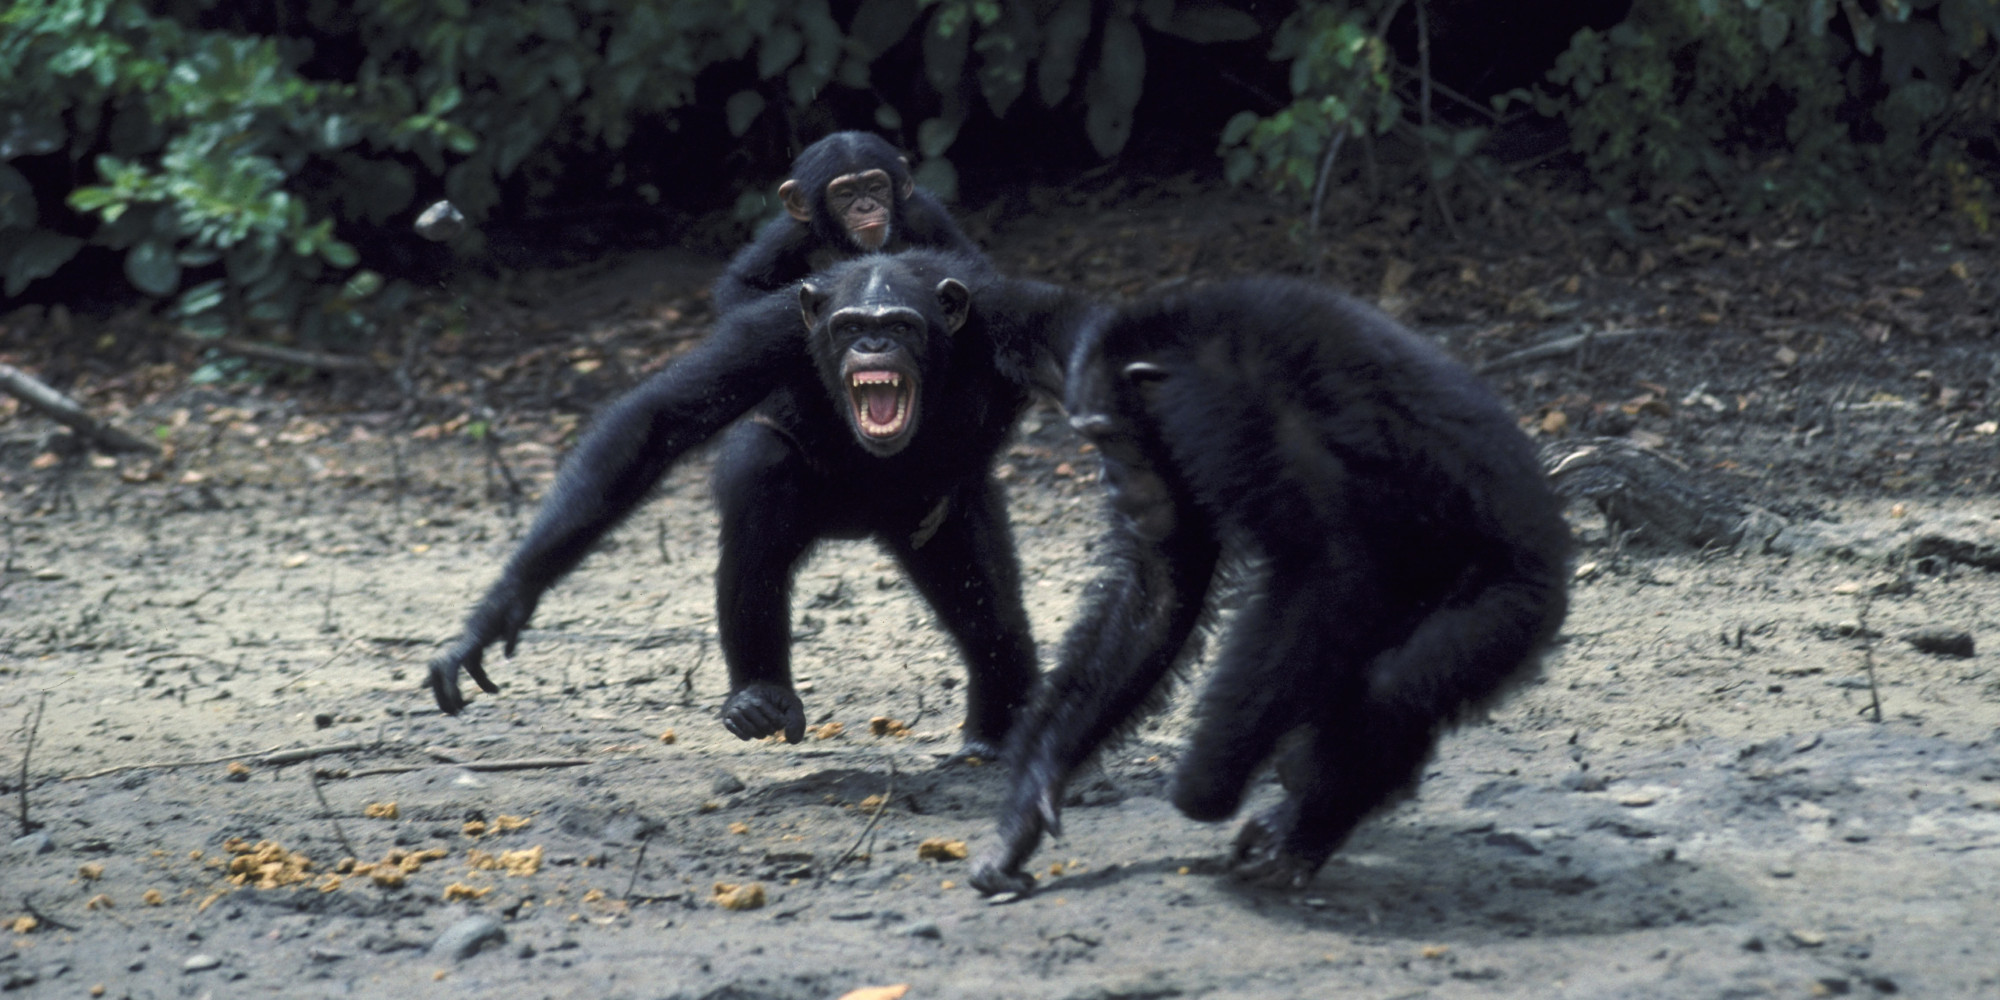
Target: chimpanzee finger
475	668
795	722
443	683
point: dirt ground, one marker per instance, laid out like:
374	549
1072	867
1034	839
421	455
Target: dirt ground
1737	778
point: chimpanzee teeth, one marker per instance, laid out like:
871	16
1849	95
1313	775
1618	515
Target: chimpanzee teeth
877	378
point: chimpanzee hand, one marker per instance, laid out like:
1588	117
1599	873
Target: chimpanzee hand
500	616
763	708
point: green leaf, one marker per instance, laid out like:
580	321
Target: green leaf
152	268
1067	30
36	255
938	177
781	48
1112	92
339	254
888	117
879	24
742	110
944	56
17	200
1238	127
201	298
1206	22
1772	27
936	135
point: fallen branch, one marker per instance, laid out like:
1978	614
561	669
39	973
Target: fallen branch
33	726
888	792
69	412
1566	345
286	355
272	757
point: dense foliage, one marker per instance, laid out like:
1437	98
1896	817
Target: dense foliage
237	156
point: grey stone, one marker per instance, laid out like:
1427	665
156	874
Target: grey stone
200	963
462	940
34	843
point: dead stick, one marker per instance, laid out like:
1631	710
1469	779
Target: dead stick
312	778
637	864
28	904
1558	348
888	791
287	355
69	412
28	827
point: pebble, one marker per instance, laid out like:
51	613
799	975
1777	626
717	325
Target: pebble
1806	938
34	843
924	929
462	940
726	784
1939	641
200	963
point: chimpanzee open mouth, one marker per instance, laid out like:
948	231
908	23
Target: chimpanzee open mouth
883	400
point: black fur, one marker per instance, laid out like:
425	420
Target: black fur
1406	560
799	471
786	250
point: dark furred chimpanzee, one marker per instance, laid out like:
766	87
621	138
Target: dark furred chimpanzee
1406	556
881	422
849	194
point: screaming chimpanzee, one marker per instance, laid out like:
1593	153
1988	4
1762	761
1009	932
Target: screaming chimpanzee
881	422
849	194
1406	555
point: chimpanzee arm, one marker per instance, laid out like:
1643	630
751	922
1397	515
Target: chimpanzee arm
629	447
1113	663
774	259
1034	326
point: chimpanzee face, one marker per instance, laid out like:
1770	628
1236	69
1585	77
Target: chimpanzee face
1107	401
875	333
860	205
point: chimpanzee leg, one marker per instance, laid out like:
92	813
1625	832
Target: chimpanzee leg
1355	758
964	564
1291	651
766	530
1113	663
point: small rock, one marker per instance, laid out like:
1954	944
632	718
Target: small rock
34	843
1806	938
726	784
924	929
462	940
1584	781
17	979
200	963
1940	641
442	221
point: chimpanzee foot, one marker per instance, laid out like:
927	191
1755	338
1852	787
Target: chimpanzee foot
991	875
1261	857
974	750
758	710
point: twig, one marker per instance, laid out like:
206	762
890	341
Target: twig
34	726
1868	658
1319	192
273	757
888	792
637	863
1558	348
28	904
69	412
286	355
520	764
326	809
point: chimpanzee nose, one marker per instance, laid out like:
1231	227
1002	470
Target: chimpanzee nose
874	345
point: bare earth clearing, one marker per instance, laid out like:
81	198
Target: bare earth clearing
1696	801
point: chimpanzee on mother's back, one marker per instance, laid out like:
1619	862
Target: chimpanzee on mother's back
1405	553
849	194
877	395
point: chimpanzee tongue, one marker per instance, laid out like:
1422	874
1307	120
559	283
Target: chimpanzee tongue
881	400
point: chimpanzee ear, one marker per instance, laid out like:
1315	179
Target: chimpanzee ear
1145	372
811	302
793	194
956	301
909	182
